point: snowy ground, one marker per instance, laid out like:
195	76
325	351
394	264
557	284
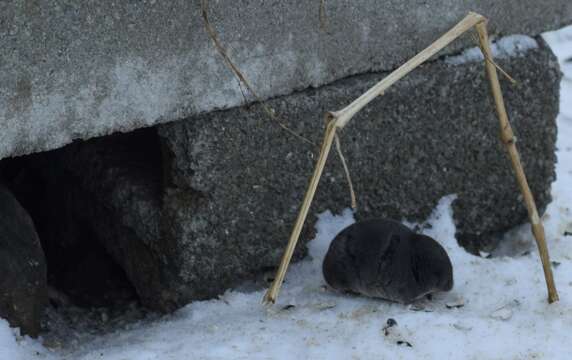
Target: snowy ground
504	314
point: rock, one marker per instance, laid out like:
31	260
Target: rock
23	284
384	259
119	66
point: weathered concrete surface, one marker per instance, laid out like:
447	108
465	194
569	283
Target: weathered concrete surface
23	284
434	134
71	70
211	200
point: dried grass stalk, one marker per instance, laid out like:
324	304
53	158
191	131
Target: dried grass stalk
509	141
240	76
272	293
353	200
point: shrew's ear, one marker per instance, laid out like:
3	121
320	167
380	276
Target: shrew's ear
432	262
427	247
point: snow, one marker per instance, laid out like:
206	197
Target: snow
13	347
508	46
497	308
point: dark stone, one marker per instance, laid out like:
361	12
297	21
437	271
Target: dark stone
23	285
384	259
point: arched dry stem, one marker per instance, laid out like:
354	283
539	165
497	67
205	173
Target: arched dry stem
338	119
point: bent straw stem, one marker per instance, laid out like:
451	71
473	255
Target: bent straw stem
509	141
340	119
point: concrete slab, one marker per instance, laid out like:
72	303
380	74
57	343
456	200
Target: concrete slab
74	70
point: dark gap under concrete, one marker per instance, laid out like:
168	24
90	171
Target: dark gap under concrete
79	265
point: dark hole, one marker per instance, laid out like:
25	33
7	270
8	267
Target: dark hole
63	211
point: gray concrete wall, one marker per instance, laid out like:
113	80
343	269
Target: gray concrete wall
191	208
74	70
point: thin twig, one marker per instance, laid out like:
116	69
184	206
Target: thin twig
489	59
236	71
270	112
322	15
347	172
